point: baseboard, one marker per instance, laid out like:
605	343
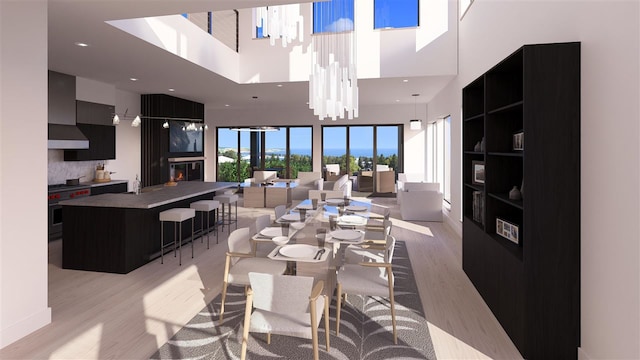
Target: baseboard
582	355
25	327
454	224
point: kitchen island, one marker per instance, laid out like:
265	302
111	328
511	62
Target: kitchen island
118	233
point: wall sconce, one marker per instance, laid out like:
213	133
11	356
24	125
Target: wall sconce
415	124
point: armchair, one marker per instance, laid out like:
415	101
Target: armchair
421	202
341	184
404	178
332	172
285	305
369	278
240	261
306	181
261	176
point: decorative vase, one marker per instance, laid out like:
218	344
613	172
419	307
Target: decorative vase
522	189
515	194
477	147
482	144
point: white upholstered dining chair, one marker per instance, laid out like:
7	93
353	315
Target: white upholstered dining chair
262	249
373	248
285	305
240	261
369	279
279	211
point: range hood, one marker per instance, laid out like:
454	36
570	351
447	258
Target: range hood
66	137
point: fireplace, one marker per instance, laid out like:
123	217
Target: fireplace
187	171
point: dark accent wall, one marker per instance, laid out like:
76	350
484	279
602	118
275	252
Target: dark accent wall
155	139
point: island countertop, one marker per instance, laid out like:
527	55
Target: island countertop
152	196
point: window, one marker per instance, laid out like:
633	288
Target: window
360	149
394	14
333	16
300	150
439	155
287	150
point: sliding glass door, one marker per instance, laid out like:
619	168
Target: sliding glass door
244	150
374	155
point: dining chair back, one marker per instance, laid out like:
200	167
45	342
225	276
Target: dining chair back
240	261
262	222
285	305
262	249
369	279
279	211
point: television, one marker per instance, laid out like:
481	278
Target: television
186	139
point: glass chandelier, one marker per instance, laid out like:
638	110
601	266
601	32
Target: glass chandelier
333	83
280	22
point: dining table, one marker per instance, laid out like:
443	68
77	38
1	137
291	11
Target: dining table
305	239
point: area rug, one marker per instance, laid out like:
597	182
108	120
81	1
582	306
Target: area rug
365	330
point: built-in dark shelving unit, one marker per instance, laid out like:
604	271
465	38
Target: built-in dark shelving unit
532	285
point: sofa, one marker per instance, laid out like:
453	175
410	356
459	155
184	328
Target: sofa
341	184
385	179
332	172
306	181
420	201
262	176
404	178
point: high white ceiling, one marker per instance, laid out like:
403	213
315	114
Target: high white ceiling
113	56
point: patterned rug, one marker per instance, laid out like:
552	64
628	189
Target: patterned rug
365	331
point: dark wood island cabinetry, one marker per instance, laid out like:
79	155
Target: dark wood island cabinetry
119	232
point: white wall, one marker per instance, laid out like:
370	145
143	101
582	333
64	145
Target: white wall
23	159
426	50
610	138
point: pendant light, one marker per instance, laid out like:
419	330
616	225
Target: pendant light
415	123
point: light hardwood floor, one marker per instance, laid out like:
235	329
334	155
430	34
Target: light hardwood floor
110	316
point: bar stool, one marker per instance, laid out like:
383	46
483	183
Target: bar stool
206	206
226	218
177	216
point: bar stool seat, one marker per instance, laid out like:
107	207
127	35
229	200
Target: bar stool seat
226	218
176	216
206	206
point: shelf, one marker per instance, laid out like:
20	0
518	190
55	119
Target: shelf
474	153
513	248
507	107
505	198
475	117
512	154
474	187
479	225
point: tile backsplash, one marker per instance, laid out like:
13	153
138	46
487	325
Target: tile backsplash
59	170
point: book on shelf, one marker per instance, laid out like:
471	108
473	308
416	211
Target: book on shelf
478	207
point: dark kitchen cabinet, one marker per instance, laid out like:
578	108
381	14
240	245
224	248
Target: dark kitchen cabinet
531	283
95	122
109	189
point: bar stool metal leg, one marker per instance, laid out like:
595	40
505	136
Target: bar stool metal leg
161	242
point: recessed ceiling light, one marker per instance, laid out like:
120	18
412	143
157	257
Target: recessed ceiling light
405	80
172	89
279	85
397	100
227	105
81	44
133	79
